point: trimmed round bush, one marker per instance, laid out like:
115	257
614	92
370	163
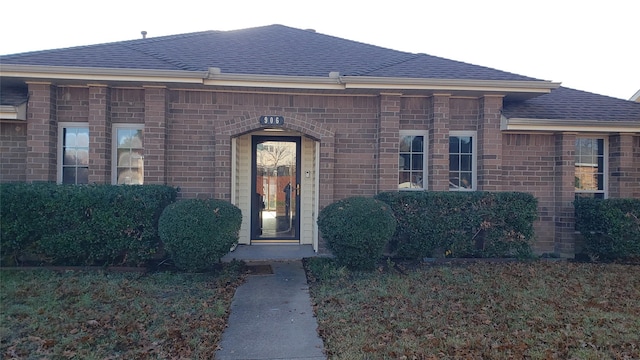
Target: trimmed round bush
196	233
356	230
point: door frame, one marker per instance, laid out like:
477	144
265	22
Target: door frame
256	204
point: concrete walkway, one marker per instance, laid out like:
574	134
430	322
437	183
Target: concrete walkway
271	318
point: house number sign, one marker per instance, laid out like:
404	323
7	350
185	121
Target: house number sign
272	120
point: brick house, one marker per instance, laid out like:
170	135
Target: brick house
283	121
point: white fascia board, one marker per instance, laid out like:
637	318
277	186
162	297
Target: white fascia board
555	125
101	74
9	112
273	81
366	82
13	112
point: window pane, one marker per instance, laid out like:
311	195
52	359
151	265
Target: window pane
416	162
405	143
69	157
411	162
454	162
417	144
82	156
465	162
589	166
454	145
454	181
124	158
465	145
466	181
404	162
68	175
82	175
600	143
69	139
129	177
82	137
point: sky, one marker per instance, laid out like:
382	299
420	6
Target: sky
584	44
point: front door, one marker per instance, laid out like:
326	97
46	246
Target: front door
276	189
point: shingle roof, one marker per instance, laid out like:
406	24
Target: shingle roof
570	104
268	50
281	50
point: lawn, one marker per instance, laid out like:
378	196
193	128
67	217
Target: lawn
95	315
514	310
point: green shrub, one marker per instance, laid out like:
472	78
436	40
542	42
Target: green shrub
610	227
81	225
356	230
197	233
461	224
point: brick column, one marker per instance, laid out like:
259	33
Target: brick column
439	143
490	144
565	145
155	134
326	179
388	142
99	134
222	167
623	177
42	133
327	171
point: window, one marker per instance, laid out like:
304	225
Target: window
412	162
128	155
73	153
462	161
590	179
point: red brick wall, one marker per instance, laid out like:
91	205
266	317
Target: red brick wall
13	152
188	143
42	132
464	114
528	165
127	106
73	104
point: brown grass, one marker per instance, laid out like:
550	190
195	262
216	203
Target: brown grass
95	315
518	310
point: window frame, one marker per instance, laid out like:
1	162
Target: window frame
425	148
114	150
60	148
605	166
474	157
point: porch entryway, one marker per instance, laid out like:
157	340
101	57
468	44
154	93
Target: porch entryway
275	186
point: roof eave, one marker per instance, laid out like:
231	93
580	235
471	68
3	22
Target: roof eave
100	74
333	81
336	82
560	125
498	86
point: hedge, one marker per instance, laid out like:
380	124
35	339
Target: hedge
197	233
462	224
356	230
81	225
610	227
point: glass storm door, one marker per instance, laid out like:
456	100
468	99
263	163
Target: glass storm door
276	189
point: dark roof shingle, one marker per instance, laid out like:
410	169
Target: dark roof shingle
570	104
268	50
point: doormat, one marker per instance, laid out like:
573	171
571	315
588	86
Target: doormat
259	269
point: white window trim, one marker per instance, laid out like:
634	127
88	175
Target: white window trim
474	157
425	157
61	127
114	148
605	167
